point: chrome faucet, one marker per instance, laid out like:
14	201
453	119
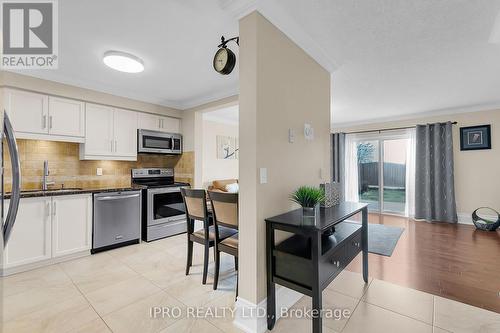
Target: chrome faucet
46	173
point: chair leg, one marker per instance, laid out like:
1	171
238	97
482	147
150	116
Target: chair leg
205	263
189	261
236	263
217	266
237	279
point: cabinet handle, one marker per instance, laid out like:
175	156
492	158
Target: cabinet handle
44	121
116	146
162	123
159	122
54	208
48	209
50	122
336	263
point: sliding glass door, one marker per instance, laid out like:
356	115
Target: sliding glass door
369	173
394	175
382	172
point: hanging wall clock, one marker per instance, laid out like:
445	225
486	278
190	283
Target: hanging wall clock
225	59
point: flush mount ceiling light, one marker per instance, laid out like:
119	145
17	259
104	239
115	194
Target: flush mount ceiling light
123	62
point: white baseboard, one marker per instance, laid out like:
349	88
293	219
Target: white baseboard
252	318
28	267
465	218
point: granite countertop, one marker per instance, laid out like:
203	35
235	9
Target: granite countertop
70	191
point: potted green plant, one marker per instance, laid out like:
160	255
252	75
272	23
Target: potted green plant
309	198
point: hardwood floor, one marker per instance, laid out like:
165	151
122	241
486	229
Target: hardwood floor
453	261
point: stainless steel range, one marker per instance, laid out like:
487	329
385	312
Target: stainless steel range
163	211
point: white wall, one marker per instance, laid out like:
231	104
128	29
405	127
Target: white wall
213	168
476	172
281	88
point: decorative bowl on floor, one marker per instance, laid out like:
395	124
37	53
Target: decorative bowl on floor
486	223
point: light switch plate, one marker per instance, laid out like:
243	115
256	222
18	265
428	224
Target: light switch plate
263	175
291	135
98	172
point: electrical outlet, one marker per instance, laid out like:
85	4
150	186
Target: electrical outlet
99	171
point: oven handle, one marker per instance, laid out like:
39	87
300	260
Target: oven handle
165	190
118	197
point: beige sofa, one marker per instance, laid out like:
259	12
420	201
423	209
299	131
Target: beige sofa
220	185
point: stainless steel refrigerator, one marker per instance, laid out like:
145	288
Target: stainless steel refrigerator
9	143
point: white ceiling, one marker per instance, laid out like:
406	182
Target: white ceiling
398	58
175	39
393	58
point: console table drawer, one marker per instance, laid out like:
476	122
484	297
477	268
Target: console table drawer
353	246
333	264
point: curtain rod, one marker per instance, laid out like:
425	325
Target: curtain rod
389	129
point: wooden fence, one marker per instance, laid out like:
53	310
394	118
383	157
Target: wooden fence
394	174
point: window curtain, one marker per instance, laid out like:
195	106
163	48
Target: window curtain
410	173
351	169
434	174
338	163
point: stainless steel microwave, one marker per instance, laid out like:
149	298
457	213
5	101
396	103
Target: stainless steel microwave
158	142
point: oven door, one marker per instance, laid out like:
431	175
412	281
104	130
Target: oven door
154	142
165	205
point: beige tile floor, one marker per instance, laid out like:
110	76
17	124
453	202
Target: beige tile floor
114	291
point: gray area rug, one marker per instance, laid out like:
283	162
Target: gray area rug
382	239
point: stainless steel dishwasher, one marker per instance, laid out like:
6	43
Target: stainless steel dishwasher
117	220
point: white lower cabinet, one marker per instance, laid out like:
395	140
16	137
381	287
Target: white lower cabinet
71	224
30	240
47	228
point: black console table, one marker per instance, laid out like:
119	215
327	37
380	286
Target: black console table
309	260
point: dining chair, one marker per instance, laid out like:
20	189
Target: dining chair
195	202
225	215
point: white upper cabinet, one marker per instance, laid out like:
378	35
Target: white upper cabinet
149	122
42	117
28	111
110	134
170	125
98	131
66	117
154	122
125	133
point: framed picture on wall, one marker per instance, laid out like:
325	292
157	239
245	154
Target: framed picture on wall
475	137
227	147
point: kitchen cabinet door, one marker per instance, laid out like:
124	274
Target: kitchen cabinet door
71	224
125	133
28	111
99	140
149	121
30	240
66	117
170	125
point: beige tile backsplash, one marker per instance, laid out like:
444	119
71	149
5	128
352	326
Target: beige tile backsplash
66	167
